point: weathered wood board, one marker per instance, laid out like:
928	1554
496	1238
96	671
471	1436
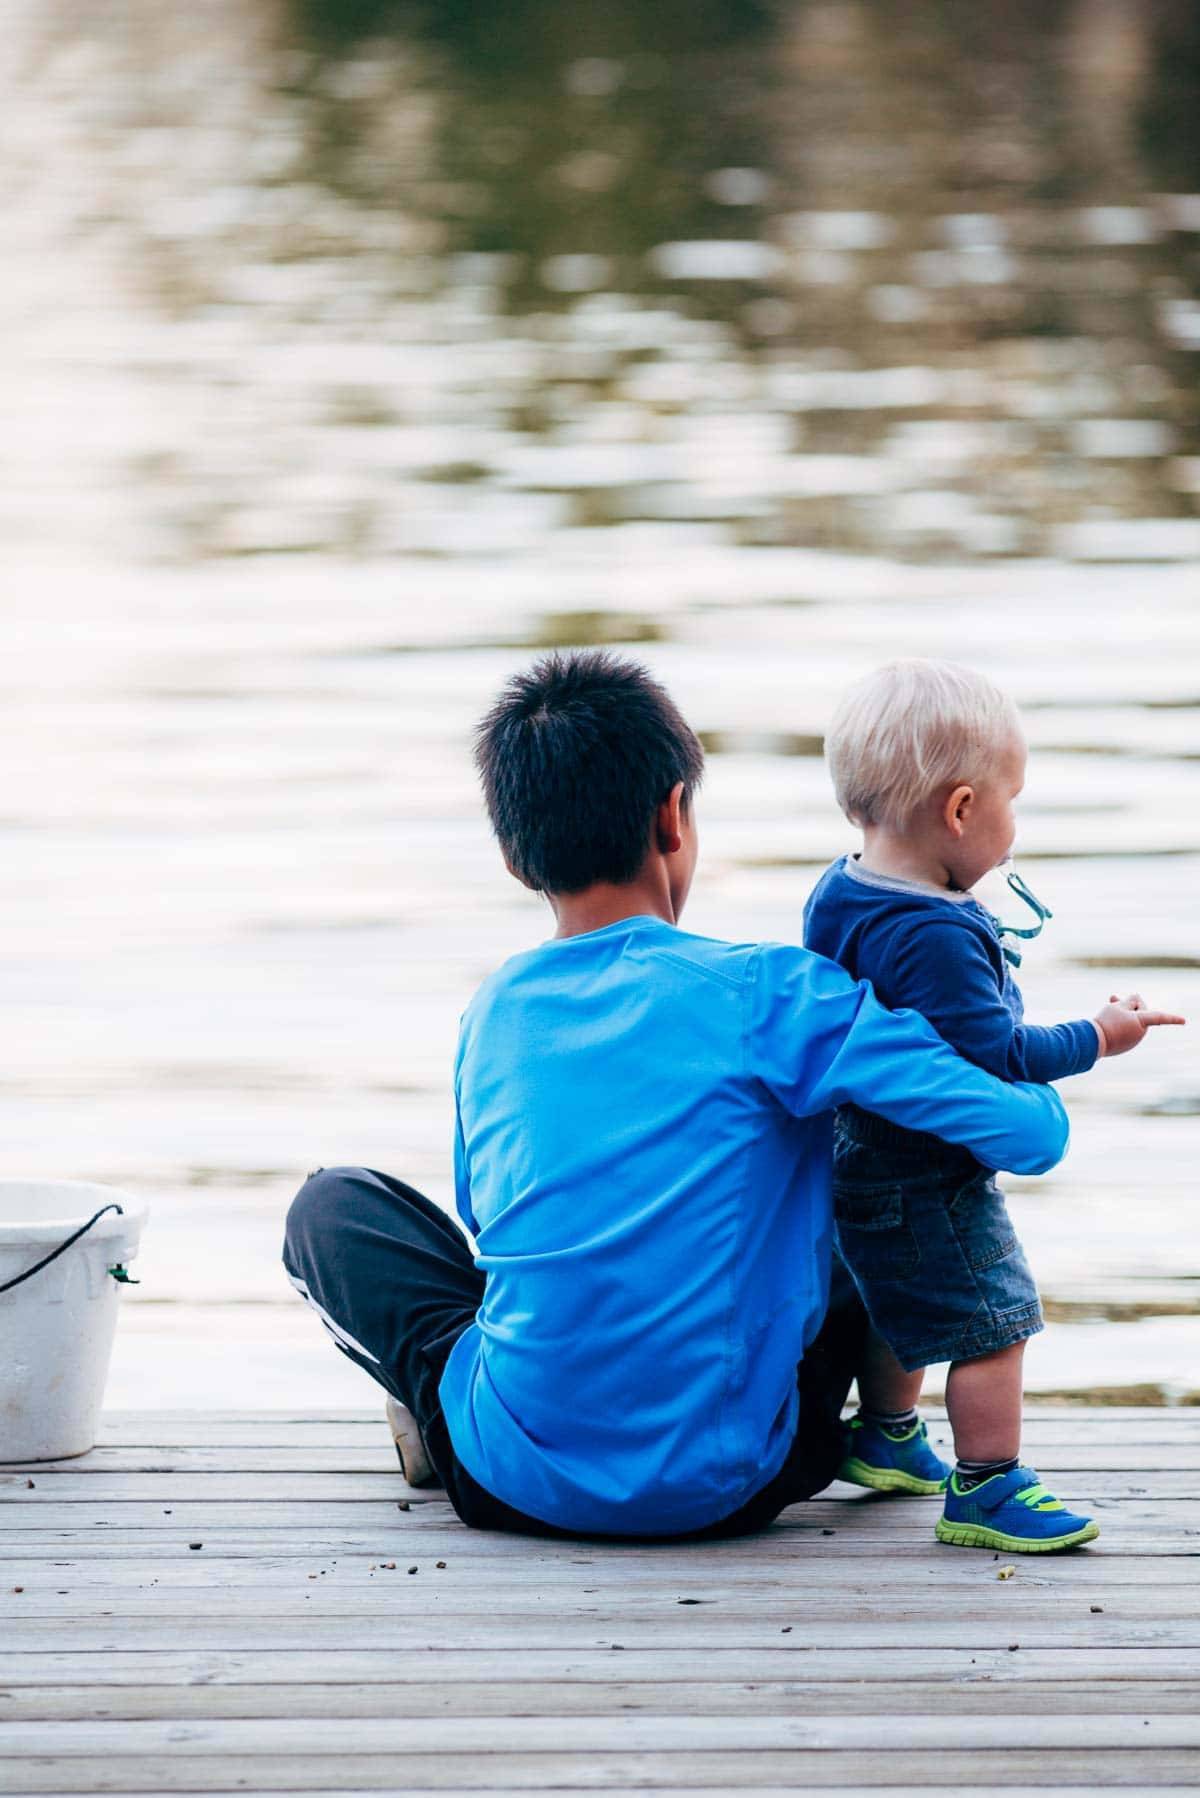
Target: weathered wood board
337	1633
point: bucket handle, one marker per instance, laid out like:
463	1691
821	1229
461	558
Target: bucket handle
117	1272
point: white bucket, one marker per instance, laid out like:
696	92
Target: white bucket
56	1328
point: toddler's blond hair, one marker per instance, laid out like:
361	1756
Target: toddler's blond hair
908	729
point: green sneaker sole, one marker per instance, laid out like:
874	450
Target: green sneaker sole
977	1535
887	1479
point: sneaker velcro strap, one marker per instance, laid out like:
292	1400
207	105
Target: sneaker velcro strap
1039	1499
1005	1486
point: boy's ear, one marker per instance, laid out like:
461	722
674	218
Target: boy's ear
957	809
668	832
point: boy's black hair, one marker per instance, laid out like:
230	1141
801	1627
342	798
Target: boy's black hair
576	756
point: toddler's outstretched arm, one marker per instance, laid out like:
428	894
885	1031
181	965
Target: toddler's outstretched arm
1122	1023
944	968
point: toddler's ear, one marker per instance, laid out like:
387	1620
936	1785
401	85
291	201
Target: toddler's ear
957	809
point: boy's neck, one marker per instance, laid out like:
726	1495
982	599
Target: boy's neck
903	858
660	887
602	904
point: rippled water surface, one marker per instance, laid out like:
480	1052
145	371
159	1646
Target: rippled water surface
351	354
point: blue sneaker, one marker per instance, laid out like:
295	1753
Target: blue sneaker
891	1463
1012	1511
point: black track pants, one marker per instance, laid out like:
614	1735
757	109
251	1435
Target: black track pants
393	1280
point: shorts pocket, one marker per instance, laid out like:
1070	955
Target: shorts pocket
875	1241
981	1223
869	1207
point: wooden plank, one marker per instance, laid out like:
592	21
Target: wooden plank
153	1515
1127	1538
170	1516
739	1770
554	1699
646	1734
63	1485
895	1519
723	1574
1009	1605
394	1593
780	1659
740	1790
133	1497
569	1698
550	1699
69	1484
720	1791
375	1457
378	1457
1125	1615
713	1791
1046	1626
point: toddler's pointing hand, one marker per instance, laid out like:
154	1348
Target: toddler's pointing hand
1122	1023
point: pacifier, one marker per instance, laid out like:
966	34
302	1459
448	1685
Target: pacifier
1005	875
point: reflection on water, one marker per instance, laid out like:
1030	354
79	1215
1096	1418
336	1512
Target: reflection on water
358	348
373	279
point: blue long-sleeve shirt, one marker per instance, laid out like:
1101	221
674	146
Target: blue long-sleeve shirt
643	1152
940	953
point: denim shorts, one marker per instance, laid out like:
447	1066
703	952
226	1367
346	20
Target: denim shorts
926	1235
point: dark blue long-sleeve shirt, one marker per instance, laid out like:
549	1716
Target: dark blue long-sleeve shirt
940	954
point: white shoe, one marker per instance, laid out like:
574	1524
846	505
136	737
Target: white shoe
411	1452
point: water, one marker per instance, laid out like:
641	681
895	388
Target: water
352	357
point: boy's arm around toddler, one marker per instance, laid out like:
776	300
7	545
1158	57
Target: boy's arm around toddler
818	1039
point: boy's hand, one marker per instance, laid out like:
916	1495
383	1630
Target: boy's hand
1122	1023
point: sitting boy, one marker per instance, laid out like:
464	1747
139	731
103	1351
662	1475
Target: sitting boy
644	1343
928	758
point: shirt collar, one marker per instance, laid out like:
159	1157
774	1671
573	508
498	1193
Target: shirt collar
892	883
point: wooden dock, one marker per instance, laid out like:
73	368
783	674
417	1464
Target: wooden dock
257	1604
